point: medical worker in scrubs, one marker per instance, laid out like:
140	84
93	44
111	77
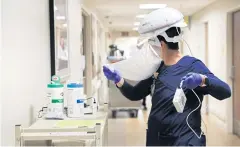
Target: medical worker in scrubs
167	127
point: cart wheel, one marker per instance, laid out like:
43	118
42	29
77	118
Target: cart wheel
114	114
136	113
132	114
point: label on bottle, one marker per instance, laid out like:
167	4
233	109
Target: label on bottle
57	101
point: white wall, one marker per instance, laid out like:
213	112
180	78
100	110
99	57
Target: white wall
26	62
26	59
75	30
127	44
117	34
0	70
216	16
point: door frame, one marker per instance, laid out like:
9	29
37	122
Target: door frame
88	52
206	39
229	59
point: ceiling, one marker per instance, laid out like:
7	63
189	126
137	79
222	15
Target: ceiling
121	14
60	13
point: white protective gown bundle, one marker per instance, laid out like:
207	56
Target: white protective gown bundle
145	62
140	66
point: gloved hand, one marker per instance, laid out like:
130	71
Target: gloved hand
192	80
111	75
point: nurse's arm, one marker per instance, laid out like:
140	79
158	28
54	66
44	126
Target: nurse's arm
137	92
216	87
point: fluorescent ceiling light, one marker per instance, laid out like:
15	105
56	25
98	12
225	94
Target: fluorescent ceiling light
141	16
55	8
60	17
137	23
152	6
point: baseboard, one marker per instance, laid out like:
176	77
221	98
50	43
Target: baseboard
236	125
216	114
219	122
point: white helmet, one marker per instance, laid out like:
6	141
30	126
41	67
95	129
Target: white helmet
158	21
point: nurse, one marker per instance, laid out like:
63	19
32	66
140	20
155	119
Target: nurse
167	127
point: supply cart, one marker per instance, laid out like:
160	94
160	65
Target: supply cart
90	130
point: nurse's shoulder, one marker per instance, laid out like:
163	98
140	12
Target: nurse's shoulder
187	61
194	64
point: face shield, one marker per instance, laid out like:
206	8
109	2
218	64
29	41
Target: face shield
152	44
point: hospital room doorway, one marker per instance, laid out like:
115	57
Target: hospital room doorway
236	72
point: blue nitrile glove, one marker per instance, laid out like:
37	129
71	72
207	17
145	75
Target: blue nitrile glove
111	75
192	80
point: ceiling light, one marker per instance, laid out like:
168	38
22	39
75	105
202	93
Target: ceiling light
141	16
55	8
60	17
152	6
137	23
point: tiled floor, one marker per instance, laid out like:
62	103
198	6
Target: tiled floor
131	132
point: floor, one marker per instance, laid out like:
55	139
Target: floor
125	131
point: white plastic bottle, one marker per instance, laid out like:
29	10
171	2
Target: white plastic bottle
55	99
75	103
80	104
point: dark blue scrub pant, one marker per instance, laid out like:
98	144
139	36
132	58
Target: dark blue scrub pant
155	138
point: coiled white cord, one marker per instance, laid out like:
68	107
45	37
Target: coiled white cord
198	136
200	103
191	113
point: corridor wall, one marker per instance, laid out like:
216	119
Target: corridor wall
218	53
75	31
25	63
0	70
26	59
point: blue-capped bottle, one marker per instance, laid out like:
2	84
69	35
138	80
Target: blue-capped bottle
75	100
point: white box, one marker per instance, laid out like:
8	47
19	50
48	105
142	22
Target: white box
179	100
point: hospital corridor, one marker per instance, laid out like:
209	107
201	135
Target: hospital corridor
120	72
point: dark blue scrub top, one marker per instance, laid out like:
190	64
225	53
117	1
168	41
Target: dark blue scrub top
163	116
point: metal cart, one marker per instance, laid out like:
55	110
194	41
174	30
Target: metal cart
118	102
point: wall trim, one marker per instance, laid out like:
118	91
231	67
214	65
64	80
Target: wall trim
237	127
85	10
216	114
